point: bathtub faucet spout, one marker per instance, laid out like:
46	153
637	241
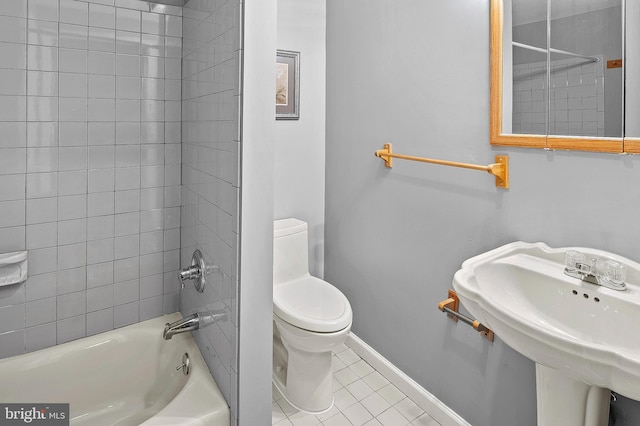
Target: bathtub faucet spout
191	323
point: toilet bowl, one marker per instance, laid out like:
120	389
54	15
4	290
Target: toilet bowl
310	319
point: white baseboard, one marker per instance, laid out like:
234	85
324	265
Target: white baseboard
425	400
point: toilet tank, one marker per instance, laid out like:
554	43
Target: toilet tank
290	250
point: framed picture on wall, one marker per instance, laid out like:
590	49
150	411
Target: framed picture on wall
287	85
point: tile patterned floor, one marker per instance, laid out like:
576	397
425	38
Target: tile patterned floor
363	397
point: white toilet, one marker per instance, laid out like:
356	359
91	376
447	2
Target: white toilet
311	317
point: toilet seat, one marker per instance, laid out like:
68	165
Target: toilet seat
312	304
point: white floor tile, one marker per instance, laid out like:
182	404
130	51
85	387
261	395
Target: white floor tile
337	420
376	380
391	417
360	389
363	397
391	394
348	356
375	404
425	420
357	414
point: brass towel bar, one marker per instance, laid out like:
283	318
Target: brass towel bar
450	306
500	169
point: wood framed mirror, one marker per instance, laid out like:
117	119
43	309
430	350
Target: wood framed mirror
559	75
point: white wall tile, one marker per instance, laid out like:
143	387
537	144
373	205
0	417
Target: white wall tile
101	133
12	239
43	58
12	187
42	235
128	42
127	224
152	45
153	23
100	251
128	87
42	160
127	133
128	65
128	20
73	36
101	180
13	82
101	110
73	86
44	33
173	26
99	321
40	312
73	134
102	86
43	9
99	274
102	16
126	292
40	337
41	185
102	39
103	63
100	227
126	269
101	157
74	12
71	329
17	8
13	30
72	207
72	182
41	210
72	60
72	231
13	160
43	260
13	108
13	135
40	108
72	256
128	110
73	158
101	203
42	83
100	298
128	201
13	55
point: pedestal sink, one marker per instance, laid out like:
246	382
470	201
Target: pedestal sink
584	338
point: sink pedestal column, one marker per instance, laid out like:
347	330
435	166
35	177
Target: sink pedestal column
563	401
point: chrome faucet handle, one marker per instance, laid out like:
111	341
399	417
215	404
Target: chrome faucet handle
196	271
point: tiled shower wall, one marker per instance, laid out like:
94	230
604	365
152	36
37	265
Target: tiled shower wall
90	110
577	98
210	192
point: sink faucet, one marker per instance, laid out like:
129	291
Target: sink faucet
612	277
191	323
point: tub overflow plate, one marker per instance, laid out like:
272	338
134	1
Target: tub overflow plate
186	366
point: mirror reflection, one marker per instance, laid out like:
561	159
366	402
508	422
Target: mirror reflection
563	61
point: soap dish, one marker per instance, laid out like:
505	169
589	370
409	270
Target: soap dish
13	268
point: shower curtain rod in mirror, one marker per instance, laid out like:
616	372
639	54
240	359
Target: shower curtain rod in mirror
563	52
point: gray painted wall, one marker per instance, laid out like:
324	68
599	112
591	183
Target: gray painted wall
299	144
417	74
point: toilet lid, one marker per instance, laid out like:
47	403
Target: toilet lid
312	304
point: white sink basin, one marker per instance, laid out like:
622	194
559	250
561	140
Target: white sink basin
580	333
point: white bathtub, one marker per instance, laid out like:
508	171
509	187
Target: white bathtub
122	377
